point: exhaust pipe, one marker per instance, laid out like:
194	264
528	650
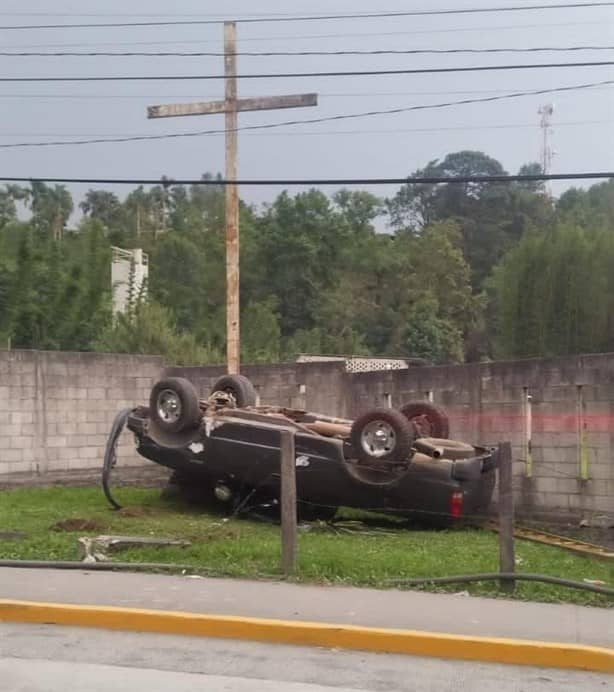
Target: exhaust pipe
428	448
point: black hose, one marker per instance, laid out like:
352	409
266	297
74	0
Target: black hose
110	454
461	579
96	566
492	576
121	567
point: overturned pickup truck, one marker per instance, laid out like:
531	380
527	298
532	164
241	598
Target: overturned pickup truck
389	461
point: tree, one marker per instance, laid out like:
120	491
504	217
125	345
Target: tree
491	216
8	210
105	207
51	207
533	168
435	287
300	244
144	215
6	279
418	204
26	311
426	335
554	294
358	209
150	329
260	332
591	208
94	302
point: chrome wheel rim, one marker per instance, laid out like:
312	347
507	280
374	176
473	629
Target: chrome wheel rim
378	438
168	406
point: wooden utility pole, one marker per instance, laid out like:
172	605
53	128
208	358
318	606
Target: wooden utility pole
233	336
288	501
231	106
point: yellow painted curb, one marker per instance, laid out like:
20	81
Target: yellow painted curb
514	651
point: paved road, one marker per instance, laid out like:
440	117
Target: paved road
367	607
45	658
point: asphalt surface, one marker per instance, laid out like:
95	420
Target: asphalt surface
447	613
46	658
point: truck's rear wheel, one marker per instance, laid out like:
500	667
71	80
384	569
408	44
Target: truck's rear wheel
173	405
427	419
382	435
239	388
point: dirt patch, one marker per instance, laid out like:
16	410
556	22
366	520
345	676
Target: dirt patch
79	525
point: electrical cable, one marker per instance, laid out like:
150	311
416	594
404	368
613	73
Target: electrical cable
410	180
331	118
293	38
198	15
321	17
325	94
258	54
297	75
335	133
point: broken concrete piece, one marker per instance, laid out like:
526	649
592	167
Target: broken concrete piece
95	549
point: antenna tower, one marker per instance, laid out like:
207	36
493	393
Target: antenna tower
547	152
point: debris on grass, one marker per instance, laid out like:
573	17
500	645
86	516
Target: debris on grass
96	549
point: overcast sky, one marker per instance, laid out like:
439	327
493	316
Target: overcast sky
379	146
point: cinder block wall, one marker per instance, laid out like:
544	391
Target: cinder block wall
571	430
56	409
321	387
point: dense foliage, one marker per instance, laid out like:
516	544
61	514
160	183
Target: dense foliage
447	272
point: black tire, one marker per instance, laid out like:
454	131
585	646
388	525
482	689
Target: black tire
427	419
397	427
239	387
188	414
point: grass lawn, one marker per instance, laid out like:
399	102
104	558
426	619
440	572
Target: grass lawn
242	548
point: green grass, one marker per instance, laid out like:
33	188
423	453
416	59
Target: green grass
241	548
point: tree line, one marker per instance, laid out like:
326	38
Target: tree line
448	272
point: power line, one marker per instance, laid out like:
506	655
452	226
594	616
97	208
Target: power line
295	75
200	96
330	118
258	54
321	17
415	180
319	133
176	14
302	37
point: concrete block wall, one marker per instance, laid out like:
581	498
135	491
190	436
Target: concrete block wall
321	387
56	409
572	421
